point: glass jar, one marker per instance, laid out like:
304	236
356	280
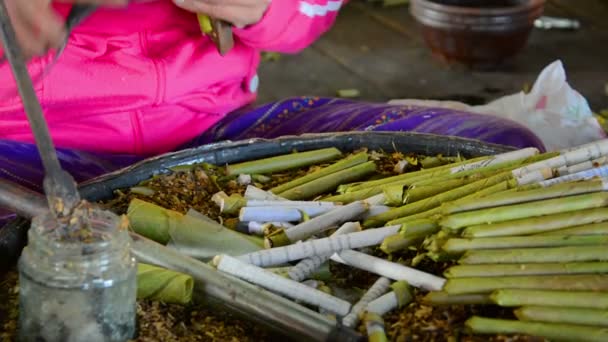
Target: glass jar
81	288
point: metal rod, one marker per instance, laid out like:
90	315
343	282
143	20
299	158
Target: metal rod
276	312
31	104
59	186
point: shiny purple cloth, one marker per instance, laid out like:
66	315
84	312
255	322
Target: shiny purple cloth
317	115
20	163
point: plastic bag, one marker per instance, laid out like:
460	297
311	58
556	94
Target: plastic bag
556	113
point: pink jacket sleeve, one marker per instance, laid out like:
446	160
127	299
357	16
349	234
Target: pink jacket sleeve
289	26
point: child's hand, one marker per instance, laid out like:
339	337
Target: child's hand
239	13
38	27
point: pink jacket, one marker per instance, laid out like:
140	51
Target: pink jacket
144	80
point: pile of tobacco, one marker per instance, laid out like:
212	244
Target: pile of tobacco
401	247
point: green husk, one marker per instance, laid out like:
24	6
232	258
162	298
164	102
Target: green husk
429	214
189	234
488	171
398	242
435	201
578	282
509	198
419	226
284	162
593	317
417	193
412	176
343	164
393	194
600	228
163	285
329	182
233	204
431	162
552	331
455	246
534	225
442	298
536	255
350	197
501	270
578	299
525	210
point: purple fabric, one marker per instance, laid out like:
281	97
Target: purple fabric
20	163
317	115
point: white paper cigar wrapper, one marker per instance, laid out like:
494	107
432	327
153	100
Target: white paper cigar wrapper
500	158
601	171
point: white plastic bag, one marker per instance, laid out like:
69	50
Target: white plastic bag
555	112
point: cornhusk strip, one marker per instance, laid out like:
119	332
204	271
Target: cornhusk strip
536	255
552	331
389	269
408	177
525	210
578	155
411	233
518	197
284	162
163	285
578	282
417	193
578	299
379	287
318	247
330	182
432	214
436	161
497	159
587	229
534	225
435	213
232	204
456	245
343	164
281	285
550	314
491	170
189	234
442	298
303	269
398	242
435	201
359	195
500	270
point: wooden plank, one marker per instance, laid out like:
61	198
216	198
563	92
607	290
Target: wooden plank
399	66
395	18
590	12
309	73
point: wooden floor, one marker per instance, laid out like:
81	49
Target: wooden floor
381	53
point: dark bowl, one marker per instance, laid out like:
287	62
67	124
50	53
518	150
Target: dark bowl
476	33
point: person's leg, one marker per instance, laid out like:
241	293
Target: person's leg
317	115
